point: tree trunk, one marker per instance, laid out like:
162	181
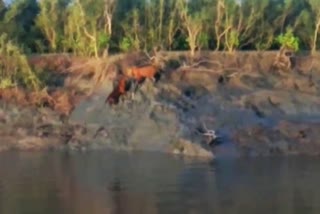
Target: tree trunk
160	20
218	41
106	52
315	37
192	41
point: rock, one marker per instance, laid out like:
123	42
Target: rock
31	143
187	148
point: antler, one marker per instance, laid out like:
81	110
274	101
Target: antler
156	56
154	52
150	57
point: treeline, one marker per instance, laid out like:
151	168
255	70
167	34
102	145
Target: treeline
96	27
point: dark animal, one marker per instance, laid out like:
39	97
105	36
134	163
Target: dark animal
123	85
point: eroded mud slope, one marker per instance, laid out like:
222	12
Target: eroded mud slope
254	110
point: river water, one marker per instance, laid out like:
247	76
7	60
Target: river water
147	183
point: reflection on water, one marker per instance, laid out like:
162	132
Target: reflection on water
109	182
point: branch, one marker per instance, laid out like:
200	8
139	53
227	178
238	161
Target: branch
88	34
224	32
207	132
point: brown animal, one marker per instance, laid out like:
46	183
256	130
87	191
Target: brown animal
140	73
124	84
131	77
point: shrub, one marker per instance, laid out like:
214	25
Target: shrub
103	40
232	40
14	67
6	83
203	40
126	44
288	40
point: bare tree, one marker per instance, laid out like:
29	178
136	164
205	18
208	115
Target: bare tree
109	8
193	23
48	21
219	28
315	7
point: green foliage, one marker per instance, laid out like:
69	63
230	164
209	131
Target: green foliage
14	67
103	40
303	22
180	43
126	44
232	40
288	40
49	22
203	40
6	83
81	26
264	44
18	22
2	9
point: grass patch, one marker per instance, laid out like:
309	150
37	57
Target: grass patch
15	70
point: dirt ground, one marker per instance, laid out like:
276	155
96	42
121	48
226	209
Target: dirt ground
254	108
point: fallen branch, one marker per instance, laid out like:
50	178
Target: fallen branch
208	132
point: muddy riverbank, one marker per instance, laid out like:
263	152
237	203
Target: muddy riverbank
254	110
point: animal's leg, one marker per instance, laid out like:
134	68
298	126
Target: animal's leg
139	84
134	89
157	77
122	99
132	94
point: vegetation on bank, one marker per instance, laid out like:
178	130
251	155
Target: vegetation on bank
93	28
15	69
